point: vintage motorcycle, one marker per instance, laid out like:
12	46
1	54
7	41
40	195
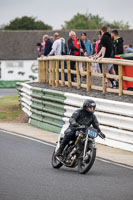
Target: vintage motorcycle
81	152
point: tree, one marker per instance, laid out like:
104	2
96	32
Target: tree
81	21
89	21
27	23
119	25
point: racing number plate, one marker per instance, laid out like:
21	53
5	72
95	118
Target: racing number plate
92	133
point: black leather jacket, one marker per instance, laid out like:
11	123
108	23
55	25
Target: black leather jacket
83	117
72	48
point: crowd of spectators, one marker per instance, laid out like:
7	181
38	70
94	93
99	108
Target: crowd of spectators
107	45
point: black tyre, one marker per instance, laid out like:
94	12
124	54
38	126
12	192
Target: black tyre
85	165
55	163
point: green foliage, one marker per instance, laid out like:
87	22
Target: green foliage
89	21
118	25
27	23
80	21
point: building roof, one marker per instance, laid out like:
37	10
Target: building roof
21	45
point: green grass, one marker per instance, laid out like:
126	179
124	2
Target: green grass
9	108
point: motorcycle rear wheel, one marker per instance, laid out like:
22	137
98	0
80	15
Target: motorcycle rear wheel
55	162
85	166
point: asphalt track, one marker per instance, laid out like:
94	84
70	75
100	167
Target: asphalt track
26	174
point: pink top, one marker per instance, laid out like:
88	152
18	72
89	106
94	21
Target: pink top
96	47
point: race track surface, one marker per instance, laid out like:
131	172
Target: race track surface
26	174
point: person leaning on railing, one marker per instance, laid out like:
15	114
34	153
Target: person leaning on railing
59	48
106	52
56	47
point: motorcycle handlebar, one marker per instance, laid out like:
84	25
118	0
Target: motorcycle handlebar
84	127
80	127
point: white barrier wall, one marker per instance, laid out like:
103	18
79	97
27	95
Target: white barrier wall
115	118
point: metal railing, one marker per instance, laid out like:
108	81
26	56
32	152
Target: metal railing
50	67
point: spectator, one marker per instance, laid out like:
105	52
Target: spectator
59	46
87	43
48	45
94	44
42	49
128	49
64	51
64	48
98	44
38	46
97	49
131	46
117	43
106	52
76	48
56	47
52	39
89	51
117	46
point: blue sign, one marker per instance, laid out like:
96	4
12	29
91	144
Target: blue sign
92	133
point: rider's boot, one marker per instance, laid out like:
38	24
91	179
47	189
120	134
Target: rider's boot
60	150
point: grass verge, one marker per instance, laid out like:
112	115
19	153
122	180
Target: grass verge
9	108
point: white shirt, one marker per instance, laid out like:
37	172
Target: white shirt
56	48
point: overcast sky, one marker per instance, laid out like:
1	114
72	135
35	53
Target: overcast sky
55	12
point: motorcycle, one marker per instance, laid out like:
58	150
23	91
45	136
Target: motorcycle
81	152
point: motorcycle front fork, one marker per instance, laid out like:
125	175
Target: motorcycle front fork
92	145
85	146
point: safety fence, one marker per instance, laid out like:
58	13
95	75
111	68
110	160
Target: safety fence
51	110
54	69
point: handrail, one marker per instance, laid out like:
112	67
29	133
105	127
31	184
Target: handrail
49	72
90	60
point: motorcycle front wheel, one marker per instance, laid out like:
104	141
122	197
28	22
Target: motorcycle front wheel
85	164
55	163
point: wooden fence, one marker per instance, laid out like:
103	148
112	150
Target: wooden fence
49	68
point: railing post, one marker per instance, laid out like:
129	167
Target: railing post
44	68
62	73
104	78
50	72
39	71
57	73
47	71
88	78
53	72
69	73
78	75
42	71
120	80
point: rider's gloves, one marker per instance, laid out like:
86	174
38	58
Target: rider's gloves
102	135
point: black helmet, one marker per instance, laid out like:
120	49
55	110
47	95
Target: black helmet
89	104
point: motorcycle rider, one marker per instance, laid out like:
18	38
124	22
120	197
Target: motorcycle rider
84	116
